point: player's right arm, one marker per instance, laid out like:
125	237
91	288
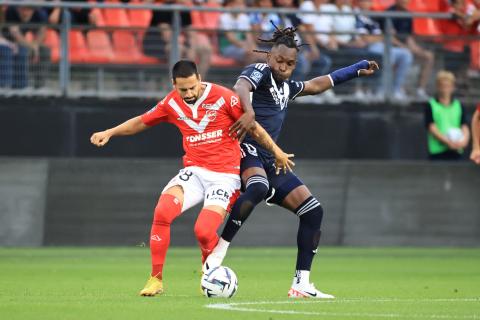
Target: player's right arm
282	159
133	126
247	121
129	127
475	155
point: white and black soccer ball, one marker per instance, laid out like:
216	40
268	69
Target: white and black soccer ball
220	282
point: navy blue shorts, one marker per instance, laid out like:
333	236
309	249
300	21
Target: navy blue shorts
280	185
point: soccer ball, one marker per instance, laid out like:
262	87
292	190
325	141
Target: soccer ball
455	135
220	282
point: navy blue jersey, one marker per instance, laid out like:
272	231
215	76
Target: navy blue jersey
269	101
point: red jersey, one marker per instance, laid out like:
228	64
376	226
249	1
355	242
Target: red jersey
204	127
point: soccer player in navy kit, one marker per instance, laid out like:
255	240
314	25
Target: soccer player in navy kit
272	90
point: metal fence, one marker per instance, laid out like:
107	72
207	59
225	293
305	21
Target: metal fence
114	59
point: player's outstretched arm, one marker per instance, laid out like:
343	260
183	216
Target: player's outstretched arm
247	120
127	128
475	155
282	161
320	84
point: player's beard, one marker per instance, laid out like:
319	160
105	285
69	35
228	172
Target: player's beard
278	77
191	100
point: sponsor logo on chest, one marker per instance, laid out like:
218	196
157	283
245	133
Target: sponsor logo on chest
204	136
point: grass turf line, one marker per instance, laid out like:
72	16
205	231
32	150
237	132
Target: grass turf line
103	283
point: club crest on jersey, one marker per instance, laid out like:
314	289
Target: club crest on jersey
211	115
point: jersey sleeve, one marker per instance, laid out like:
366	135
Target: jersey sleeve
155	115
234	106
296	87
254	74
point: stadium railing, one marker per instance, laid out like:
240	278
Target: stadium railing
107	60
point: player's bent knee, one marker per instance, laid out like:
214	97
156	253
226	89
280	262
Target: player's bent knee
311	212
257	188
167	209
203	234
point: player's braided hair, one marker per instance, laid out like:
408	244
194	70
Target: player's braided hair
285	36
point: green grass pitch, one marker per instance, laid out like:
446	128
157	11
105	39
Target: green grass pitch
370	283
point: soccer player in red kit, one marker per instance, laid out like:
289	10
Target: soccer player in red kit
203	112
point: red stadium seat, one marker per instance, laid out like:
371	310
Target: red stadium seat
381	5
426	26
475	55
78	49
210	21
221	61
424	5
139	17
115	17
99	46
52	40
127	51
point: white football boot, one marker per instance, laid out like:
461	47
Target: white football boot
307	291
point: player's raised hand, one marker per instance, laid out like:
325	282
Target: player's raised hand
283	162
242	126
373	66
100	138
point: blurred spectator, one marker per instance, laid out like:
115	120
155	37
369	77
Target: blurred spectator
157	40
403	29
475	155
401	58
318	28
79	16
456	52
345	46
237	43
309	59
26	33
448	132
472	22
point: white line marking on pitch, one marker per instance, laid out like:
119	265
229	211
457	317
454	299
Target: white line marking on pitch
238	306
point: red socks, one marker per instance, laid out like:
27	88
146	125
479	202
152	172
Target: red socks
205	230
168	208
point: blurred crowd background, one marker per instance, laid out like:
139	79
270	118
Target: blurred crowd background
114	48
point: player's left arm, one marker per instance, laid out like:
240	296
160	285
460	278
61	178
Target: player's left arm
320	84
282	159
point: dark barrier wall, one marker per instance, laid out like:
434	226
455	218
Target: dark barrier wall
111	202
62	128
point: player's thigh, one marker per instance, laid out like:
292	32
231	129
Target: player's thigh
288	190
188	185
296	197
250	164
218	209
221	191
